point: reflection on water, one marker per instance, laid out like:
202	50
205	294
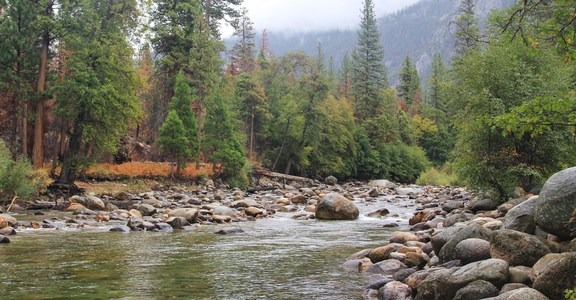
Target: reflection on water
277	258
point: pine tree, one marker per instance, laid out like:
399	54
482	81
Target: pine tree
173	141
467	33
409	86
181	104
243	51
435	83
254	109
217	11
369	70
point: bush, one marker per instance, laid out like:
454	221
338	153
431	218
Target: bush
17	178
438	177
570	294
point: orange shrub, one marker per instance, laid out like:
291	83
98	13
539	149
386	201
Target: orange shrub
146	169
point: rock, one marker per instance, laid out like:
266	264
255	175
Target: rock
492	270
521	294
555	273
448	253
415	259
454	218
419	217
121	228
402	237
379	213
357	265
406	191
190	214
478	289
122	196
401	275
10	220
512	286
395	290
334	206
253	211
428	289
224	211
146	209
377	281
517	248
520	274
360	254
74	207
229	230
521	216
477	205
299	199
414	279
451	205
374	192
386	267
472	249
383	183
331	180
557	202
382	253
91	202
440	239
177	222
245	203
4	239
135	213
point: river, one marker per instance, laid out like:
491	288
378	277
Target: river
276	258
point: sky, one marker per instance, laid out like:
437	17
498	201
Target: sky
313	15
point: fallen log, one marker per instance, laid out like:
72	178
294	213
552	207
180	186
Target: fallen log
268	173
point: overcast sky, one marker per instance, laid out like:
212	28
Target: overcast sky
313	15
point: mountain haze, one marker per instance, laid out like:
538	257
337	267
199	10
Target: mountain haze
419	30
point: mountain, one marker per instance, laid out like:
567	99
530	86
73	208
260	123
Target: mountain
419	30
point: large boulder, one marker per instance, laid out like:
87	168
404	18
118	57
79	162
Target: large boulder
471	250
442	237
382	253
482	204
517	248
386	267
383	183
491	270
521	294
429	288
478	289
448	251
558	201
334	206
555	273
91	202
395	290
521	216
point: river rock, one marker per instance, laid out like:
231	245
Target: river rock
395	290
402	237
442	237
428	289
416	259
451	205
521	216
557	202
120	228
383	183
4	239
457	216
482	204
448	253
9	219
331	180
190	214
7	231
478	289
91	202
520	274
135	213
471	250
299	199
74	207
492	270
555	273
146	209
521	294
245	203
379	213
334	206
512	286
229	230
357	265
517	248
253	211
177	222
382	253
386	267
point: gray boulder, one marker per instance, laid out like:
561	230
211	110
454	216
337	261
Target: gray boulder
517	248
448	253
386	267
555	273
521	294
331	180
441	238
478	289
521	216
471	250
558	201
491	270
395	290
334	206
482	204
383	183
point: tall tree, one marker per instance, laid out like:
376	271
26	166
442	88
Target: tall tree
97	97
467	32
409	86
217	11
369	73
182	104
243	52
173	141
253	109
436	82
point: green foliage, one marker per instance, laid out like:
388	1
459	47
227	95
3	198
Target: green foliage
173	139
220	142
181	104
409	86
438	177
570	294
17	177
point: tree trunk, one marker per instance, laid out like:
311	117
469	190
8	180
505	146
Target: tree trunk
38	147
69	166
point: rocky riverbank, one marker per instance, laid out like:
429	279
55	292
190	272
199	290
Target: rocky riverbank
472	248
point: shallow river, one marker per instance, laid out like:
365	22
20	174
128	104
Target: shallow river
276	258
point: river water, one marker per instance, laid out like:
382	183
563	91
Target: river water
276	258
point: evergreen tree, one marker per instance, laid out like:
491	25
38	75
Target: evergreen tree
467	33
220	143
173	141
253	109
345	76
409	87
181	104
217	11
243	51
436	83
369	70
97	97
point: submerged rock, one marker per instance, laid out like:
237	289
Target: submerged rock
229	230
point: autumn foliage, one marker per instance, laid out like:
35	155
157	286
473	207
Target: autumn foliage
145	170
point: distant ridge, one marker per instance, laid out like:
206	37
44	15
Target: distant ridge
419	30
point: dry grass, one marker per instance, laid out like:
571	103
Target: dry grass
145	170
